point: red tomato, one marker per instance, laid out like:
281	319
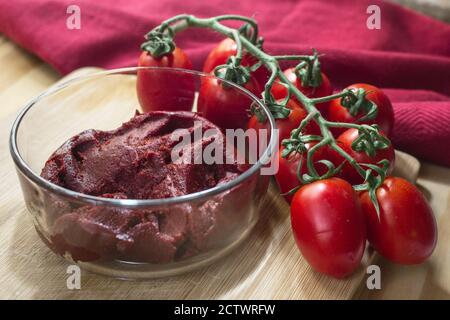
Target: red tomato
286	125
349	173
286	175
226	48
225	106
164	90
279	91
406	231
329	226
384	118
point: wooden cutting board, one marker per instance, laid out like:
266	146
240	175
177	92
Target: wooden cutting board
267	265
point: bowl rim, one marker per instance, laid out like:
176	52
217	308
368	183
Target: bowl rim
23	167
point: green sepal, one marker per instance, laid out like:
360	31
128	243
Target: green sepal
233	71
158	44
279	110
259	43
356	103
372	111
370	140
372	183
331	171
309	71
374	200
246	30
286	152
292	145
299	169
292	191
258	113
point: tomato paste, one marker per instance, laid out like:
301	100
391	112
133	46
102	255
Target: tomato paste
134	162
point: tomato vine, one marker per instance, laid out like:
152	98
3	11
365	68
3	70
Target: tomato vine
160	42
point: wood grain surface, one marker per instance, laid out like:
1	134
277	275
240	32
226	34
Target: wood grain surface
267	266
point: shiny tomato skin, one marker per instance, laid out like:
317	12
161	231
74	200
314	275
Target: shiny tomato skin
286	175
226	48
279	91
329	226
349	173
384	118
219	55
161	90
227	107
406	232
286	125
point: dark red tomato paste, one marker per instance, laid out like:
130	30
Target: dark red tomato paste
134	162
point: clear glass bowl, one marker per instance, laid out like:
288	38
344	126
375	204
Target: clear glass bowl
221	216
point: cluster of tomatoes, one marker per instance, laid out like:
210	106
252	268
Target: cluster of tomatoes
331	221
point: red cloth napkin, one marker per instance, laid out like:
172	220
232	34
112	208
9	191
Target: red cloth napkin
409	55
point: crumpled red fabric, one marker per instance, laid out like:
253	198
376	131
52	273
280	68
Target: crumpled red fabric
409	56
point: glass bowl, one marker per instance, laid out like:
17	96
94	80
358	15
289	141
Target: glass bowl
213	221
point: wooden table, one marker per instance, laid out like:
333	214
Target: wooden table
27	268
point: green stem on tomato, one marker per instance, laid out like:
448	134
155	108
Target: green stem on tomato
331	97
343	125
237	39
244	19
292	57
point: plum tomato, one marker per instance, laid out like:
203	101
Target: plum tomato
163	90
349	173
384	118
329	226
225	106
226	48
286	175
279	91
405	232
